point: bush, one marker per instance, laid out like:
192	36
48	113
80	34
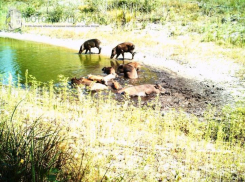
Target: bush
29	11
56	15
87	8
29	153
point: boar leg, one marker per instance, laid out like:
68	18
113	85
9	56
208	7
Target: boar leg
123	56
117	55
86	51
133	53
89	49
99	49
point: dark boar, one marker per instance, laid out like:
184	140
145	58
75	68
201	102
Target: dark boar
128	71
108	70
87	45
122	48
141	90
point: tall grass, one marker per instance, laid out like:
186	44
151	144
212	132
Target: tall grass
53	133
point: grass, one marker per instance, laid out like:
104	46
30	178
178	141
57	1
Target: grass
53	133
112	141
219	21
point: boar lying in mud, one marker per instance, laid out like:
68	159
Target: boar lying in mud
97	86
102	79
141	90
96	78
109	77
128	71
108	70
79	81
90	84
136	65
87	45
122	48
116	85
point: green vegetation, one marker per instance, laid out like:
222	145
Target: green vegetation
50	133
53	133
220	21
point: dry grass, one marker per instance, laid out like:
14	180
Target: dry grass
118	141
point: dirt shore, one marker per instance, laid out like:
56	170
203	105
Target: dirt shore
191	86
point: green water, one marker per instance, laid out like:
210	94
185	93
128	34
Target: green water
45	62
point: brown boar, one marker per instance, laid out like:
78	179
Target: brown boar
116	85
136	65
79	81
87	45
122	48
141	90
128	71
108	70
96	78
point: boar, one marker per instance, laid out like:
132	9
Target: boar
128	71
96	78
108	70
136	65
84	81
122	48
141	90
110	76
97	86
91	85
87	45
116	85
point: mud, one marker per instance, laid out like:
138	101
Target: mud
189	95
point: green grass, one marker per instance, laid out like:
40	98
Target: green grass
219	21
50	132
94	137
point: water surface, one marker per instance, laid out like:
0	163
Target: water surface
46	62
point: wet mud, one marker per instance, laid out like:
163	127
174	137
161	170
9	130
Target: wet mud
189	95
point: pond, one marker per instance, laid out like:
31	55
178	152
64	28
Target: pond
46	62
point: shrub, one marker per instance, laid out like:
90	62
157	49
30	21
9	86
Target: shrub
56	15
29	11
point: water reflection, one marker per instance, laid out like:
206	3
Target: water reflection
45	62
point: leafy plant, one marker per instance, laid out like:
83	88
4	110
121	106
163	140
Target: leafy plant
56	15
29	11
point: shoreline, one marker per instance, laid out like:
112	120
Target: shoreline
201	71
213	72
156	64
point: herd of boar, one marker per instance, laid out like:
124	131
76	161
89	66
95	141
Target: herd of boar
129	70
